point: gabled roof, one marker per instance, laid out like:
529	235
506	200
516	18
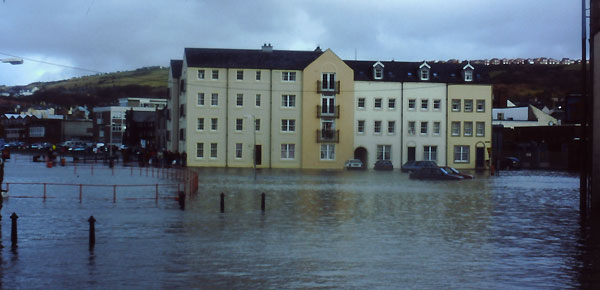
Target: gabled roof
408	72
248	58
176	65
424	64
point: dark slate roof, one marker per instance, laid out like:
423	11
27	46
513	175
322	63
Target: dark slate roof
395	71
176	65
247	58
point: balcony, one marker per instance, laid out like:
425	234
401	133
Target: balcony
327	113
327	89
328	136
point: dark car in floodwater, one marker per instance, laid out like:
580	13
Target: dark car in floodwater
436	173
383	165
416	165
455	171
510	163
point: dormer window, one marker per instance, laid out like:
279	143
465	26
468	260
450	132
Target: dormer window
424	71
468	72
378	70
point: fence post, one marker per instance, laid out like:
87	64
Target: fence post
262	202
92	167
222	202
7	188
13	230
114	193
44	191
80	192
75	168
92	220
157	193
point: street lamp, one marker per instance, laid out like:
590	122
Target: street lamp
253	127
12	60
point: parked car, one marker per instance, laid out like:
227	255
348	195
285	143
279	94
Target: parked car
457	172
416	165
510	163
354	164
384	165
430	173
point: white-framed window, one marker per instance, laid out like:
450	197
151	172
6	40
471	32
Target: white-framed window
424	104
258	75
430	153
328	81
257	101
377	127
240	75
213	150
377	104
288	125
384	152
238	150
437	105
436	128
480	129
468	129
424	74
239	124
200	150
40	131
461	153
378	72
455	105
116	127
288	101
392	103
455	127
468	75
327	151
215	74
412	103
200	124
200	74
468	105
480	105
391	127
200	99
361	103
257	125
424	127
411	128
181	134
214	122
288	151
214	99
239	100
360	127
288	76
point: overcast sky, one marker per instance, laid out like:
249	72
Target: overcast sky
113	35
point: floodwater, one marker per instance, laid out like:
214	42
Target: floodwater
321	229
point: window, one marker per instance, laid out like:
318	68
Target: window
411	104
424	104
411	128
213	124
181	110
288	125
455	128
288	101
480	105
378	103
213	150
182	134
468	130
41	131
480	129
424	74
461	154
392	103
239	124
116	127
384	152
288	151
257	125
257	103
238	150
360	128
430	153
328	82
327	151
200	124
378	72
377	127
288	76
468	75
200	74
239	101
215	74
391	127
258	75
455	105
424	126
200	150
468	105
437	105
200	99
240	75
361	103
214	100
436	128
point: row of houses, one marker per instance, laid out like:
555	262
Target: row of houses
311	109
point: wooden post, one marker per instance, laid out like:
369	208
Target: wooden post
92	220
157	193
262	202
222	202
114	193
80	192
13	230
44	191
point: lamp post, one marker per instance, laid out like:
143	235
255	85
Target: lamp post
253	127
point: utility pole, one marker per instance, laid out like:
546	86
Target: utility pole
584	172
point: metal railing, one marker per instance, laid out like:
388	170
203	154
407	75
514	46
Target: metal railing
328	136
